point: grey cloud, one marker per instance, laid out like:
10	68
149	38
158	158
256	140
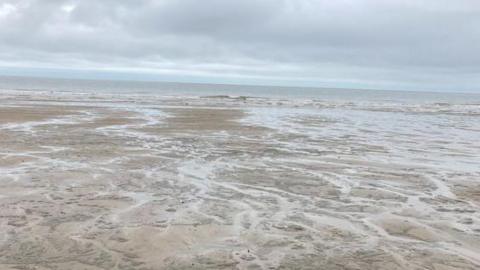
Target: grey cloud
417	43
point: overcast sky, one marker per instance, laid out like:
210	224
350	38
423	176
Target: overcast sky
386	44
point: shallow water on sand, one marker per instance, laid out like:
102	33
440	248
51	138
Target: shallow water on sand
142	181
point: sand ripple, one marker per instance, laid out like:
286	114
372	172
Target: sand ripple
134	182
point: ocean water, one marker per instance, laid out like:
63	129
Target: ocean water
195	89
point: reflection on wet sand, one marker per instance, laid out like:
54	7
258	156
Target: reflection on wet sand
133	182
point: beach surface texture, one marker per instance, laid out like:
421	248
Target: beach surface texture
103	181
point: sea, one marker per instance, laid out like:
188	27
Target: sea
201	90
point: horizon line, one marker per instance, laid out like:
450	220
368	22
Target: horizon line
146	80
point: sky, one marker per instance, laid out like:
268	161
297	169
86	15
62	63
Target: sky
377	44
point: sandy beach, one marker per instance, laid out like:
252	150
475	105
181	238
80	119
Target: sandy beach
99	181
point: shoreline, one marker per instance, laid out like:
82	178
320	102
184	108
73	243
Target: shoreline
139	182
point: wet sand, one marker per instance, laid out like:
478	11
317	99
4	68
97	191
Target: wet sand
133	182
